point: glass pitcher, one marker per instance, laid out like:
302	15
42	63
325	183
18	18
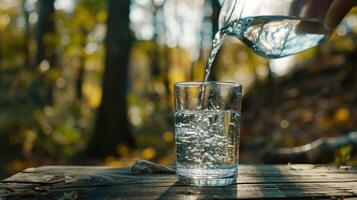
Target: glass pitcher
276	28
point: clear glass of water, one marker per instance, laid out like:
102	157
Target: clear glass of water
207	129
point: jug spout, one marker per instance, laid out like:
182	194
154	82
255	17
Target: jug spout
231	11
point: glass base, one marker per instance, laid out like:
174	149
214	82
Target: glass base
207	181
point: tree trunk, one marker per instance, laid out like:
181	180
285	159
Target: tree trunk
216	7
45	33
1	52
80	79
26	35
214	19
161	58
82	59
112	125
40	91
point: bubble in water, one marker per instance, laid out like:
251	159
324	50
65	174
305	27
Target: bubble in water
204	140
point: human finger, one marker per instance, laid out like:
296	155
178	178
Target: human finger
337	11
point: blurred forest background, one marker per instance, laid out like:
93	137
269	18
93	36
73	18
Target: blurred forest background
91	82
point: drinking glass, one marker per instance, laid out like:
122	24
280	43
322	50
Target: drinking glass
207	129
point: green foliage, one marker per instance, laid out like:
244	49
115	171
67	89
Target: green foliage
343	155
55	131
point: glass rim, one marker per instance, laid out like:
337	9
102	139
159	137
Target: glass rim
200	83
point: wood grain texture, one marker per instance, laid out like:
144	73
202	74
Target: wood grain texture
264	181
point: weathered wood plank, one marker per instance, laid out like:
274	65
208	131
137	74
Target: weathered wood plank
266	181
245	191
247	174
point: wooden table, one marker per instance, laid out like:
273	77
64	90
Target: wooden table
264	181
